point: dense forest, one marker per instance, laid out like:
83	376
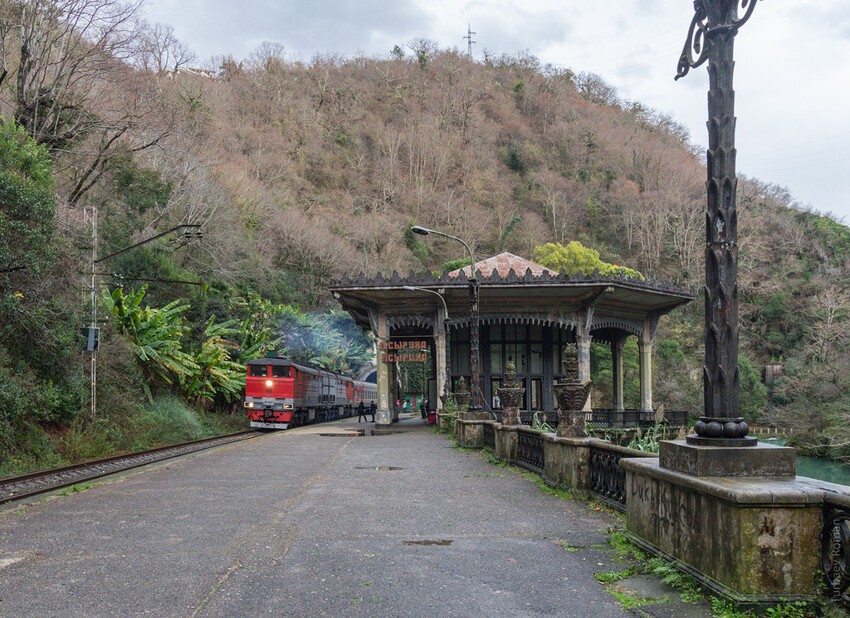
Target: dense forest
298	172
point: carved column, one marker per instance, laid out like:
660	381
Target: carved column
475	404
383	416
440	353
645	347
712	37
617	347
583	347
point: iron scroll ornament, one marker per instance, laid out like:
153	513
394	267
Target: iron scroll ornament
695	51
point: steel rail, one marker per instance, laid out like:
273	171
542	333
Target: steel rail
28	485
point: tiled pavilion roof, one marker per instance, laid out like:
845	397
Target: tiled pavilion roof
503	264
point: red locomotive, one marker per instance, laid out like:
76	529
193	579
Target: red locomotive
281	394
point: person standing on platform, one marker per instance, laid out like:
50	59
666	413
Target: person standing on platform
361	412
373	407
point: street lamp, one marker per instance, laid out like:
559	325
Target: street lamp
474	367
187	235
711	37
448	382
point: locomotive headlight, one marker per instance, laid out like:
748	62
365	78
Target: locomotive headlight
249	404
269	383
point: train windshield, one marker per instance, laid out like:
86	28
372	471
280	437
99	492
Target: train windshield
259	371
280	371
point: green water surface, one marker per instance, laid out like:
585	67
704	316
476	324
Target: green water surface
821	469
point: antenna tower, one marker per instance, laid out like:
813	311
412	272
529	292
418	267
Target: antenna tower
469	40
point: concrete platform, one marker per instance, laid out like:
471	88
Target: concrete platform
302	524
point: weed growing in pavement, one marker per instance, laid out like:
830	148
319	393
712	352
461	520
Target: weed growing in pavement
640	563
795	609
74	489
577	548
570	548
722	608
492	459
564	493
670	575
624	549
628	601
609	577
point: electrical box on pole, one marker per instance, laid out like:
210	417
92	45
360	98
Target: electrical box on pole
91	335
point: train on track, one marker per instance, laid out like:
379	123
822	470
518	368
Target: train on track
280	394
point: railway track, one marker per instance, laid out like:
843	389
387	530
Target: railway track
20	487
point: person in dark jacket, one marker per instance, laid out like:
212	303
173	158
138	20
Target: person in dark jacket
373	408
361	412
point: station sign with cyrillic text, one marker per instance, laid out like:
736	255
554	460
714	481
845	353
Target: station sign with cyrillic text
403	351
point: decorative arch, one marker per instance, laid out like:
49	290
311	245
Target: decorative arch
564	320
632	327
394	322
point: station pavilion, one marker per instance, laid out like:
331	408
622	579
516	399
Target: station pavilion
527	314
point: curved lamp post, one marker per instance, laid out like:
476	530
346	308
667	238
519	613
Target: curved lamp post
711	37
474	368
189	235
448	383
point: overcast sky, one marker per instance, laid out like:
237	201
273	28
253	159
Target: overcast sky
792	73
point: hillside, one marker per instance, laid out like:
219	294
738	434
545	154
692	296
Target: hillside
300	172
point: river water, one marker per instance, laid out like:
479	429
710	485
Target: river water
822	469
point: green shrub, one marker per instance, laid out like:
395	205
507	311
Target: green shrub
91	439
167	420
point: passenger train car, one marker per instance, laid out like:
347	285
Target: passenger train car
280	394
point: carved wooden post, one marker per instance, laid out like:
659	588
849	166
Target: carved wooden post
712	37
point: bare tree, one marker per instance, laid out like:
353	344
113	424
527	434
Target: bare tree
160	51
269	57
131	118
64	45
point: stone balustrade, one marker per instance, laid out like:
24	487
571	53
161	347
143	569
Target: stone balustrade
562	462
743	524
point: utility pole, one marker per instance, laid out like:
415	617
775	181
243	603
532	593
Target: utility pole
91	214
469	40
93	334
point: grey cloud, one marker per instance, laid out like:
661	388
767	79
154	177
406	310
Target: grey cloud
304	29
341	26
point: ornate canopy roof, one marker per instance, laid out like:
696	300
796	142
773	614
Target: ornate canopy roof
535	295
